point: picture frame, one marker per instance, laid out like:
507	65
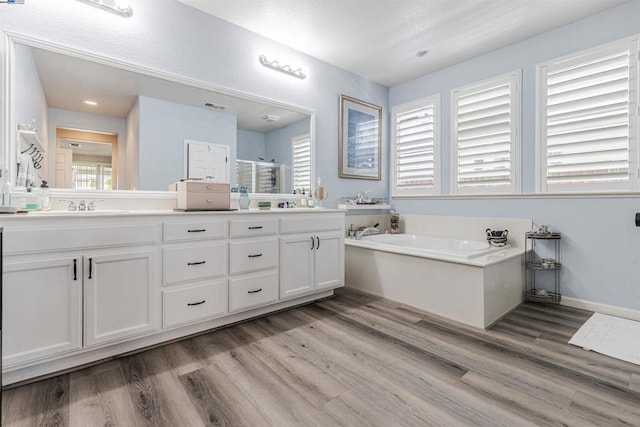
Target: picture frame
360	139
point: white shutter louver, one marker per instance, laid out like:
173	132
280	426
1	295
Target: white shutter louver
416	139
301	162
485	137
585	121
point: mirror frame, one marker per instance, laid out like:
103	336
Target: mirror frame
8	40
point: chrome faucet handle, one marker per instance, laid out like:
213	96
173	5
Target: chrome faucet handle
82	206
71	206
91	206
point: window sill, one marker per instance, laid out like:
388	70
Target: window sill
594	195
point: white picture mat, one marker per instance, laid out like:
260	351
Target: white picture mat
611	336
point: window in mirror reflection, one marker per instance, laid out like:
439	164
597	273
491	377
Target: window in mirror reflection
85	160
260	177
301	162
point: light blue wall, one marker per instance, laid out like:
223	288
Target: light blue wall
601	245
132	148
172	37
163	128
251	145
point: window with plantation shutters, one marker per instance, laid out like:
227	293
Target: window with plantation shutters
588	115
416	147
486	136
301	162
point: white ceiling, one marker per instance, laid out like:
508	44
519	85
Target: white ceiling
378	39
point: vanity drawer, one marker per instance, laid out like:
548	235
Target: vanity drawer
200	230
253	227
309	223
253	290
184	264
253	255
188	305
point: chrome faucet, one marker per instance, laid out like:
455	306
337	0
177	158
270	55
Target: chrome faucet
92	206
368	231
82	206
71	206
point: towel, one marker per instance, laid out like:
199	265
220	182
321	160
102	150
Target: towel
23	170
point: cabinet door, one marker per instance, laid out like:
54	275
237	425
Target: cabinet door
42	309
329	260
296	265
119	298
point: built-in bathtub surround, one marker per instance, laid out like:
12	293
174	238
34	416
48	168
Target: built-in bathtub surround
462	227
475	290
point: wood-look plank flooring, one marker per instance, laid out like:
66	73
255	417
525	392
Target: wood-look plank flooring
352	360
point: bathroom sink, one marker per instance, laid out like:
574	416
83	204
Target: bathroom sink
65	212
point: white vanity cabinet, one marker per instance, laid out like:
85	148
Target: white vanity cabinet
195	265
82	288
42	308
312	257
118	295
253	261
68	288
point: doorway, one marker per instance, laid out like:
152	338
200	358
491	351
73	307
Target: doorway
86	160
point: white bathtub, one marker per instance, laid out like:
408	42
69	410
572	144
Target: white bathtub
464	280
433	245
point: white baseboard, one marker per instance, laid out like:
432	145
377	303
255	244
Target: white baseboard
611	310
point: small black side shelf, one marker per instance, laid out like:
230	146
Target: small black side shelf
542	267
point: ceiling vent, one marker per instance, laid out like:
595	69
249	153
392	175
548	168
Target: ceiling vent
215	106
271	118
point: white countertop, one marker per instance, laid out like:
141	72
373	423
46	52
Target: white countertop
130	213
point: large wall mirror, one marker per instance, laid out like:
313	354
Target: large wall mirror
108	125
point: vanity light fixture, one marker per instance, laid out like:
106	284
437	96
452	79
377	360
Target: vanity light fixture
215	106
283	68
111	6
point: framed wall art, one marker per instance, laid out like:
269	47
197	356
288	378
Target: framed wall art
360	139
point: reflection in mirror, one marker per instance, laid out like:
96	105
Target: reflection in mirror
86	160
145	121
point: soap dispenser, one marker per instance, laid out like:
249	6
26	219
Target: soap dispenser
44	196
31	200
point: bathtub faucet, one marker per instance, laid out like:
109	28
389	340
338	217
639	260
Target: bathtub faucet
368	231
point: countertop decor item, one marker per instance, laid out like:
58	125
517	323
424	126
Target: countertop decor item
360	139
497	238
244	201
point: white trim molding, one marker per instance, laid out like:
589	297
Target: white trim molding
612	310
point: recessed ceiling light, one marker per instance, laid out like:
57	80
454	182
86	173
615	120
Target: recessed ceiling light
92	103
421	53
215	106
